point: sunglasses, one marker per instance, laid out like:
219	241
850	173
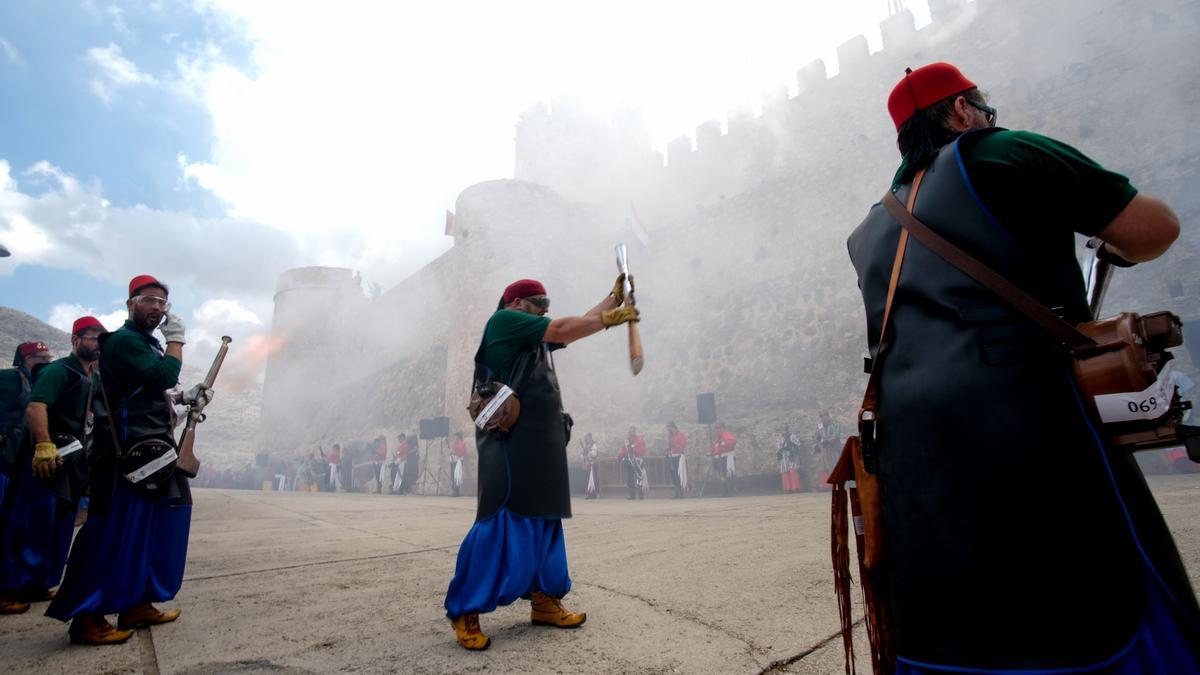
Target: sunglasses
540	301
988	111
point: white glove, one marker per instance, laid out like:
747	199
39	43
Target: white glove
172	329
198	396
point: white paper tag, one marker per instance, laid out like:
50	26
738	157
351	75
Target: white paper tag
1138	405
69	448
149	468
492	406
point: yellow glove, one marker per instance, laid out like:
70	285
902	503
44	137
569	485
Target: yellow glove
618	290
620	315
45	459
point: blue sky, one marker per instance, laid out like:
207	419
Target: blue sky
127	145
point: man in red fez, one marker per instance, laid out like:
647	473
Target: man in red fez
131	551
52	470
1015	540
515	548
16	383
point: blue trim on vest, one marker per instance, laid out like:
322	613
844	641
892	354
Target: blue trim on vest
1121	500
962	170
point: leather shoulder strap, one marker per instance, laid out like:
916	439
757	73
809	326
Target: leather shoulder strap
1022	301
870	397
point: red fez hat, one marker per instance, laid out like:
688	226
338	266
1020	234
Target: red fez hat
85	322
923	87
523	288
30	348
143	280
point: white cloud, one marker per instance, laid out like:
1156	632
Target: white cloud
113	72
116	17
10	52
63	316
226	311
380	114
72	225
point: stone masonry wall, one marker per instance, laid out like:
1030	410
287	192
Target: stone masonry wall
744	282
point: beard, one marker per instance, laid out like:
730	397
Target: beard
86	353
147	320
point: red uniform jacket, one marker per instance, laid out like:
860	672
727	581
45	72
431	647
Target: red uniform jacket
724	444
402	450
678	443
639	448
460	448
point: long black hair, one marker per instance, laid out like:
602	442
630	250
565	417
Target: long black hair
923	134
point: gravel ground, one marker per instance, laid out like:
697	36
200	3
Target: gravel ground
297	583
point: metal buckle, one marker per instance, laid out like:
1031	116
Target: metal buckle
866	432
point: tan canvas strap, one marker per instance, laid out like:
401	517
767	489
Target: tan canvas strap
1020	300
901	247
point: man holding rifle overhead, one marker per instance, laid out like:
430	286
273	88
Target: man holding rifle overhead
515	548
131	551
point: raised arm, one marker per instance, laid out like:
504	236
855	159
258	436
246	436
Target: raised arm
1142	231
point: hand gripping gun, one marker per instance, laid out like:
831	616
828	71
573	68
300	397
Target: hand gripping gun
187	462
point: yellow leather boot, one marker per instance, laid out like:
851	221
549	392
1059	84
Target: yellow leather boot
145	614
469	634
547	611
94	629
13	606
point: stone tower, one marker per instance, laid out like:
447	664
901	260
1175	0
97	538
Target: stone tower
311	306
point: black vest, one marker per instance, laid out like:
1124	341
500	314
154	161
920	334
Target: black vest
138	411
12	422
68	420
1006	542
526	469
68	414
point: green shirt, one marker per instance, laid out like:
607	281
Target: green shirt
1037	186
507	334
128	354
54	378
1041	192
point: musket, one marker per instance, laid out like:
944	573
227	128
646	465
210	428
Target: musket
1097	272
635	338
187	455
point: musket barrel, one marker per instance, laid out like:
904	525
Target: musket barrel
215	368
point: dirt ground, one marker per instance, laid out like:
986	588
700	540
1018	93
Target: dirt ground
297	583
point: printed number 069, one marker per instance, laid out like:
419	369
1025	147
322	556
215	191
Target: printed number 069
1145	405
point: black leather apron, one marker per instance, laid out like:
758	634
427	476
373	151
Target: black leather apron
526	469
1006	542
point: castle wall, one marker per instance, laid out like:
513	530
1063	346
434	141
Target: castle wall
744	282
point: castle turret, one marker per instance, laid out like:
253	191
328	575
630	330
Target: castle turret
312	305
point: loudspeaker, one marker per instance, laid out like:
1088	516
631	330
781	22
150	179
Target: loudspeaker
706	408
437	427
426	430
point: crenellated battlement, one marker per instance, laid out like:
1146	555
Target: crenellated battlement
551	138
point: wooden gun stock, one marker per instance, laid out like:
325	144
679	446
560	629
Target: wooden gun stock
188	462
